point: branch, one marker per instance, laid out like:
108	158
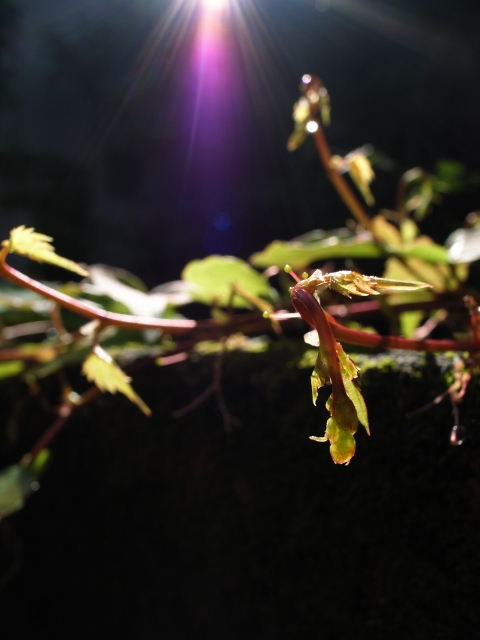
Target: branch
173	327
339	182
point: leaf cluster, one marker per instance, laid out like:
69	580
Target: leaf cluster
109	320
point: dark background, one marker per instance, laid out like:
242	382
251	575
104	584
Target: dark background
113	143
171	529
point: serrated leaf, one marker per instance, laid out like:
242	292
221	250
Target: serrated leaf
342	442
102	370
352	283
36	246
212	279
348	368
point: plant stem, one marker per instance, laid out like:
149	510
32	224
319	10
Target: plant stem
375	341
173	327
339	182
312	312
52	432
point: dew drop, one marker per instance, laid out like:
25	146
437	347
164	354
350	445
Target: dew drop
34	486
51	333
266	315
457	435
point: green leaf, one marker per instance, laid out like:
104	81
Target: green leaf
425	249
348	368
212	279
299	255
450	176
18	481
101	369
355	395
10	369
342	442
409	322
36	246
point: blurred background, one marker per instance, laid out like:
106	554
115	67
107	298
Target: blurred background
146	133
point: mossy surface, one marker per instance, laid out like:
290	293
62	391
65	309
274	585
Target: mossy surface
170	528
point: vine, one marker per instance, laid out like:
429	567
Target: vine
422	282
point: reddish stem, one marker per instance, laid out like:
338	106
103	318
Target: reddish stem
339	182
311	311
375	341
173	327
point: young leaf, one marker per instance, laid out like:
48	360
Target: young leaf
360	170
341	427
36	246
351	283
353	392
101	369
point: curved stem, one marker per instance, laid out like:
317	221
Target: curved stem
312	312
339	182
173	327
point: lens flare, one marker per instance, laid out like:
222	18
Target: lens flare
214	5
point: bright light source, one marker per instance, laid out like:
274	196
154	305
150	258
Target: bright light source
214	5
311	126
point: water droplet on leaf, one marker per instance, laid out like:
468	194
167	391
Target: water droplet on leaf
457	435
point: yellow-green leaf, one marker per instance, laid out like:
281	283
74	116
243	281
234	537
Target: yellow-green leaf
362	174
351	283
214	279
102	370
353	392
36	246
385	231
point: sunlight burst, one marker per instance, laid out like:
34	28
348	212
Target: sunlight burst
214	5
